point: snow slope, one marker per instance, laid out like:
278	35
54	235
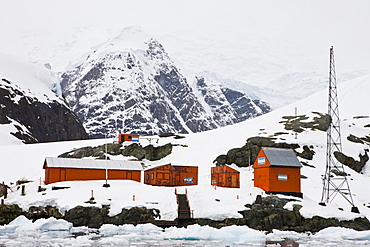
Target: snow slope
201	149
34	80
30	80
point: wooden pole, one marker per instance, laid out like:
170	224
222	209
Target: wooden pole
23	190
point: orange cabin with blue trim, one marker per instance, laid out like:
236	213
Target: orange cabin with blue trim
225	176
66	169
127	137
171	175
278	171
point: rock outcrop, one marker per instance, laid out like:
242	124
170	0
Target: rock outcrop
300	123
9	213
351	162
264	214
269	214
246	155
92	217
149	152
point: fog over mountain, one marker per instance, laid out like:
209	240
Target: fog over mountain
272	52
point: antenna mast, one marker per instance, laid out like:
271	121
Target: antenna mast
335	178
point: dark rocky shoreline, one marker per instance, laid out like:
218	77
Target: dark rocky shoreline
265	214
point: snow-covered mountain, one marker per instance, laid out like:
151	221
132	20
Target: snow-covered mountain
30	109
130	84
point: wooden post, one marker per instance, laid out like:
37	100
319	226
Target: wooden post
92	195
23	190
6	192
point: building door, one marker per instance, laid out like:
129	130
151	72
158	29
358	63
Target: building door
63	175
234	181
129	175
177	179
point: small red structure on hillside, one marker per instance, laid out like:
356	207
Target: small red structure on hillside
225	176
127	137
169	175
278	171
64	169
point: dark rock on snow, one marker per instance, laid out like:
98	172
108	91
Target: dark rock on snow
270	214
135	149
266	215
38	121
92	217
98	152
246	155
299	123
351	162
9	213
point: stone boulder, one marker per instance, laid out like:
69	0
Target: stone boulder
98	152
95	217
307	153
245	156
351	162
149	152
269	214
135	216
9	212
37	212
299	123
135	149
92	217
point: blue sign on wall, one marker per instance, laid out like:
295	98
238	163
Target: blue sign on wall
135	139
283	177
261	161
189	180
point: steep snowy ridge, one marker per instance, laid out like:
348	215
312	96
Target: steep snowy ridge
29	110
228	106
130	84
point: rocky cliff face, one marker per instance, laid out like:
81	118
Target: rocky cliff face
34	120
229	106
130	84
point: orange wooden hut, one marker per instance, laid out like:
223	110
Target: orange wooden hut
225	176
64	169
171	175
127	137
278	171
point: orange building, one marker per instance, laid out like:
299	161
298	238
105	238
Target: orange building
63	169
278	171
127	137
169	175
225	176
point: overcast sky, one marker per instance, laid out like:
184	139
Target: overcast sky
218	35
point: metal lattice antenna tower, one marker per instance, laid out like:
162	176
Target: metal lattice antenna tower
335	179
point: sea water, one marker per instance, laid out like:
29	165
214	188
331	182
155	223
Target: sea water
61	238
52	232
